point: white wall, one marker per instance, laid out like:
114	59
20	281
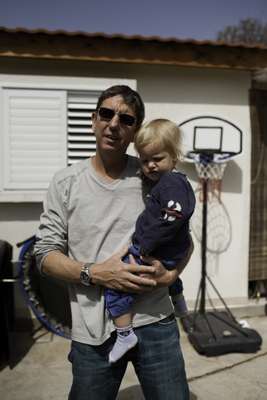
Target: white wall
178	94
184	94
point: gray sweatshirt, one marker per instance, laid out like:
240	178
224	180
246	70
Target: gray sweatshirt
89	219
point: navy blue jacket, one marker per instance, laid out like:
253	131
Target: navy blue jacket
162	230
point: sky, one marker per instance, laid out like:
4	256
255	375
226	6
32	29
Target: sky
195	19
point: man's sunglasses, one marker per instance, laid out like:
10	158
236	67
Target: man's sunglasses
108	114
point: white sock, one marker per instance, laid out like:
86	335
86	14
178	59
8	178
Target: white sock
126	340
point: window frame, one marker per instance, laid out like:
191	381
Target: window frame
40	82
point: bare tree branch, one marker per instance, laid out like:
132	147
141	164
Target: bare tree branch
248	31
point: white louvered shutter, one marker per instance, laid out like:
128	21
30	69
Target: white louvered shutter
81	140
35	137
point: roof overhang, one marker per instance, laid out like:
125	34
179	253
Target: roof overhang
43	44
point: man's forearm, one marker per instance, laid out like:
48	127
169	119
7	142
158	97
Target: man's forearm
61	267
112	273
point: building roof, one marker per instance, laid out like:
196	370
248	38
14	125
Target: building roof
39	43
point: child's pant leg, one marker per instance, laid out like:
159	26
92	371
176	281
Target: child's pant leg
118	303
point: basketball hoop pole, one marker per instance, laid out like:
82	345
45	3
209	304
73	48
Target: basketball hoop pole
202	306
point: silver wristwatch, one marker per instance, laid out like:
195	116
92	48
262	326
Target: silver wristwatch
85	275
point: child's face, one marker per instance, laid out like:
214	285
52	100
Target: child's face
155	162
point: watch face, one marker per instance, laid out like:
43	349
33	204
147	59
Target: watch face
85	278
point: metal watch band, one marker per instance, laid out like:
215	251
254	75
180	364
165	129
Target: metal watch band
85	276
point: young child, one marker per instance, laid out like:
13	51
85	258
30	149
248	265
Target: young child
162	230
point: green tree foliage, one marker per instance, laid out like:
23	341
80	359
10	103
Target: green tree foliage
248	31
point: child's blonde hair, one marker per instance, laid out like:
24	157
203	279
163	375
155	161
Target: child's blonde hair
160	132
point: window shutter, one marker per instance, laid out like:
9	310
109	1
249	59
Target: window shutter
35	139
81	139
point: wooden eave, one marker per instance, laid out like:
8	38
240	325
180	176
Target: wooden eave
129	49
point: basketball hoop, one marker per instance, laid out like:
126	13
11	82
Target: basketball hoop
210	168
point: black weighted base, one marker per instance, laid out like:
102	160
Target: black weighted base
216	332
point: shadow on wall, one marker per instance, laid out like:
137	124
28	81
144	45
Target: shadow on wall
20	211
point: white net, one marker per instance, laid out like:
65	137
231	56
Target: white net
210	170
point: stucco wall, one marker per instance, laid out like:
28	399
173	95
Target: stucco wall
178	94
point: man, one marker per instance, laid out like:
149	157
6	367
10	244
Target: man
89	216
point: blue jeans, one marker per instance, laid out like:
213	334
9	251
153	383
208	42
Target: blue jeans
157	359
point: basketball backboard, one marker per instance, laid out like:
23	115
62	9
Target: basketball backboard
210	135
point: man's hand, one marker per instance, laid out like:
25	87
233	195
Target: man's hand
162	276
165	277
115	274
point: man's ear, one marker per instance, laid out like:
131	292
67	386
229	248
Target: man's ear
94	117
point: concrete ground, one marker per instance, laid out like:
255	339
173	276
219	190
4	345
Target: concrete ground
45	374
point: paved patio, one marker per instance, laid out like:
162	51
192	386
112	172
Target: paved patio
45	374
